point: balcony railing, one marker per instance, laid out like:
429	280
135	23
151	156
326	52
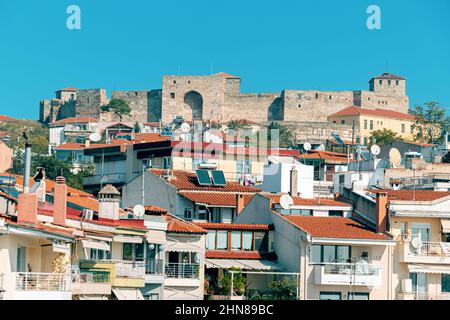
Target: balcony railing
431	296
440	249
154	266
91	277
348	273
123	269
182	270
106	178
26	281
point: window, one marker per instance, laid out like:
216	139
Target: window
342	121
358	296
403	128
301	212
174	82
419	282
397	82
329	97
422	230
261	241
222	240
445	282
329	253
365	124
389	82
365	141
243	167
133	251
247	240
202	213
236	240
336	213
21	259
317	96
188	213
211	240
172	95
330	295
166	163
371	124
380	82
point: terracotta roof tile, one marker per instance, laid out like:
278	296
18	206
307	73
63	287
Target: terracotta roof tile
333	227
248	255
233	226
187	181
177	225
356	111
328	156
387	75
155	210
149	137
6	118
74	120
215	198
71	89
410	195
70	146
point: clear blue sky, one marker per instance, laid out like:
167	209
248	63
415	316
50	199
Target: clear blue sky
272	45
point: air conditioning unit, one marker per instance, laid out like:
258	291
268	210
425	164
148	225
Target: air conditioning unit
406	285
88	214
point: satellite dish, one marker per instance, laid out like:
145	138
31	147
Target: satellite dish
321	147
224	129
95	137
307	146
185	127
375	150
416	242
286	201
395	157
139	210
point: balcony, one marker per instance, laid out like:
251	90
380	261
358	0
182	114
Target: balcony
36	286
348	274
91	283
121	273
424	296
154	266
182	270
425	252
70	129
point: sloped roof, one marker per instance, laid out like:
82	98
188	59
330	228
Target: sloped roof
233	226
186	181
74	120
275	198
412	195
215	198
328	156
70	89
178	225
357	111
334	227
150	137
226	75
70	146
6	118
387	75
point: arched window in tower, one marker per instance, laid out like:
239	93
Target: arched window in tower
193	105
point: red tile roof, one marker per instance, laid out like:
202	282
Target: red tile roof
410	195
152	124
233	226
184	181
178	225
225	254
70	146
50	184
150	137
333	227
74	120
357	111
328	156
71	89
215	198
155	210
308	202
7	196
6	118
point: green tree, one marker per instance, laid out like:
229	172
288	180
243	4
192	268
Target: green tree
76	180
37	134
238	125
117	106
277	131
383	136
431	122
239	283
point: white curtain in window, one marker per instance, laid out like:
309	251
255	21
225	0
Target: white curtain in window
236	240
247	239
222	240
211	240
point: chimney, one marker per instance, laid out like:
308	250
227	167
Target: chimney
294	182
108	203
27	208
41	188
60	201
381	212
240	203
27	166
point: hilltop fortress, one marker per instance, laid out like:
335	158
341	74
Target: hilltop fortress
218	98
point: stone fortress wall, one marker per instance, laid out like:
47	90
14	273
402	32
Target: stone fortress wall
218	98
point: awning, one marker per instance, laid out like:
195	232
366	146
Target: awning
445	223
420	268
92	244
244	264
156	236
125	239
61	247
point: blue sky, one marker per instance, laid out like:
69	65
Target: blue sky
271	45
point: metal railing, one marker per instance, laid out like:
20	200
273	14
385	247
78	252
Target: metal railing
426	179
130	269
431	296
358	269
182	270
154	266
432	249
27	281
91	277
106	178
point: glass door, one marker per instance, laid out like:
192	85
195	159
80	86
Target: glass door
21	259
